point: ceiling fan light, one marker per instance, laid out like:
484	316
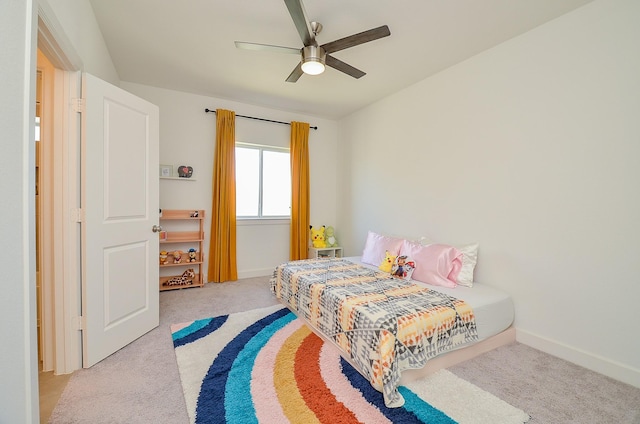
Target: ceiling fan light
312	67
313	59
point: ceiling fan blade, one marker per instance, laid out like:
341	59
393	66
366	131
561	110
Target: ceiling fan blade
266	47
355	39
295	74
343	67
300	20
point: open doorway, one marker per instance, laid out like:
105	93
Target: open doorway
50	384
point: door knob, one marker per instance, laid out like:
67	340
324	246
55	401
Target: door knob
156	228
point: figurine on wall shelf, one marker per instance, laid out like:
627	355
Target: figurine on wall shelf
185	171
164	258
194	214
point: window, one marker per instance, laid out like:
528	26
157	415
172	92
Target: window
263	182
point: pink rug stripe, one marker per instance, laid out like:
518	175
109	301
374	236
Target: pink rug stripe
263	390
343	390
177	327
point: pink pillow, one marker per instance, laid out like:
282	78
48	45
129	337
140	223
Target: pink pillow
436	264
376	246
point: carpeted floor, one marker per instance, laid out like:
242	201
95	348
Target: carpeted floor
141	384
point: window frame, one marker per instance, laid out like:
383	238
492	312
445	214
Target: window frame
253	220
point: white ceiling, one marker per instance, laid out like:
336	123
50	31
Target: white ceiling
189	45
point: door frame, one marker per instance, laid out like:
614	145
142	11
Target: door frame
65	297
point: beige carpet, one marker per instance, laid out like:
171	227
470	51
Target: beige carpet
140	383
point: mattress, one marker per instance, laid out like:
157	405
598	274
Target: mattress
493	308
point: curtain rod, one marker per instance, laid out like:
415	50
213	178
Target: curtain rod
207	110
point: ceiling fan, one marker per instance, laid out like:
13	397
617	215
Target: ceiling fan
314	57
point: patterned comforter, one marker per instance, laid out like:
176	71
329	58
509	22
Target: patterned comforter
385	325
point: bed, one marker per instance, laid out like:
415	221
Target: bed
392	330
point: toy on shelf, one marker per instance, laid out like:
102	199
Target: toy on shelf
193	257
186	279
177	256
164	258
194	214
330	237
317	237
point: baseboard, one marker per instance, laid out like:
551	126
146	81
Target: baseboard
251	273
599	364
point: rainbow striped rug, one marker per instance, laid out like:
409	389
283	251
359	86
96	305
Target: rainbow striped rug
266	366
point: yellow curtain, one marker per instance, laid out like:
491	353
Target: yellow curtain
222	246
299	152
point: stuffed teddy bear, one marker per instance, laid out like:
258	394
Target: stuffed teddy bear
387	262
177	256
317	237
330	237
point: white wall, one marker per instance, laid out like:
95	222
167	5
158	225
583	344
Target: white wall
19	369
187	137
533	150
79	24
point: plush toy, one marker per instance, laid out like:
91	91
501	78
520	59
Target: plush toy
403	267
192	255
330	237
164	258
177	256
317	237
186	279
387	262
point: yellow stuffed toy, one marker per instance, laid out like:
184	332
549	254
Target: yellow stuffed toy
317	237
387	263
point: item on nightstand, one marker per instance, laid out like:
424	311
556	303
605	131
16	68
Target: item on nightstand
192	255
164	258
330	237
186	279
317	237
387	262
177	256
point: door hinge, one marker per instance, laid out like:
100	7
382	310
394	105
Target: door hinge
79	323
77	215
78	105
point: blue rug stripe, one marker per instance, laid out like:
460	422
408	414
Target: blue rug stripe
194	326
211	405
423	410
238	400
197	330
403	415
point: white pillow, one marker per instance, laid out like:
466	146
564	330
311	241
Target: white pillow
469	261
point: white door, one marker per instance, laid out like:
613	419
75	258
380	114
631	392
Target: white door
120	202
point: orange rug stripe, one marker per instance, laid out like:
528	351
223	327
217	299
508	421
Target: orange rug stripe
293	405
318	396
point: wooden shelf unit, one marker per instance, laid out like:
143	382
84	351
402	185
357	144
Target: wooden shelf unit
179	234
